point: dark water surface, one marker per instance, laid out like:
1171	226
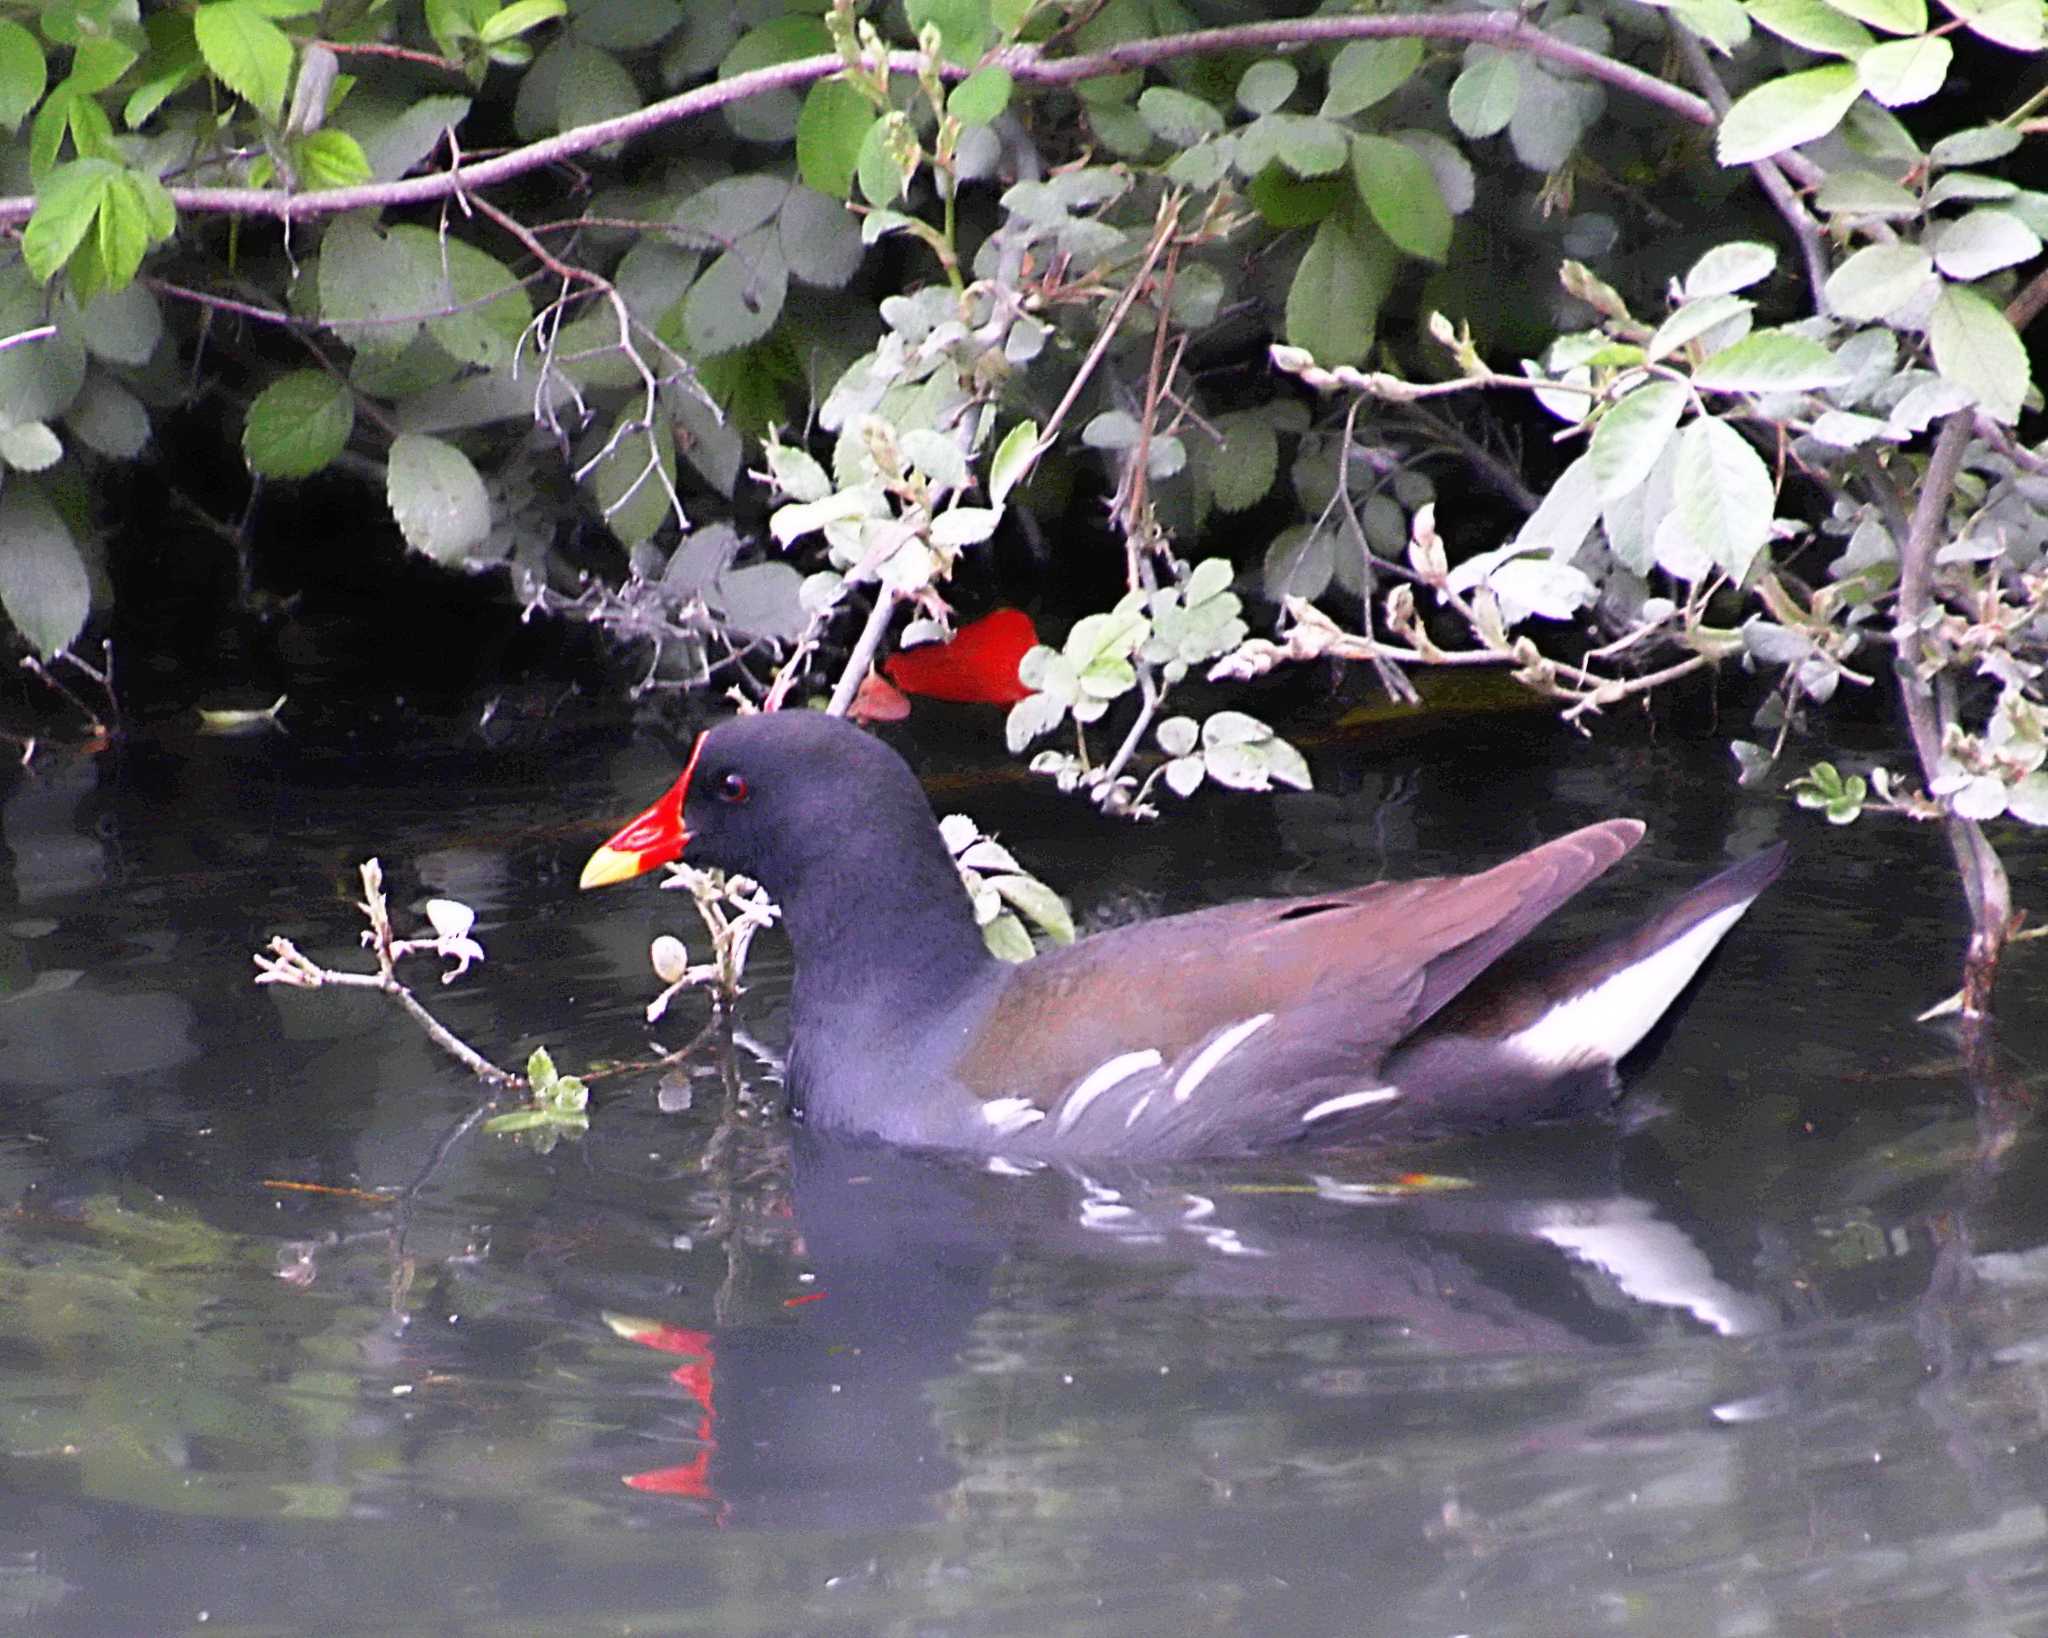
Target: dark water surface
1774	1361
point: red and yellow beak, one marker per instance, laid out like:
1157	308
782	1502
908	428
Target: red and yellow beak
649	840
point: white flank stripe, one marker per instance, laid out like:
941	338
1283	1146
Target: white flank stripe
1100	1079
1349	1100
1215	1052
1600	1025
1138	1109
1009	1115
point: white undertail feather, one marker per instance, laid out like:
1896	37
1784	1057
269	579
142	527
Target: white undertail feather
1100	1079
1349	1100
1600	1025
1215	1052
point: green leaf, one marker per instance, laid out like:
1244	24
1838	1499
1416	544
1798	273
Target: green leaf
437	498
1723	24
1368	71
1722	498
1977	146
517	18
1736	265
820	238
1290	201
2014	24
1301	562
40	378
43	584
882	178
772	116
1692	321
1267	84
1400	190
66	206
1771	361
298	424
109	418
1785	112
1306	145
30	446
247	52
1814	25
1859	194
477	310
835	120
329	159
1033	899
1628	439
1012	459
1983	242
1484	95
23	73
1333	304
964	26
1892	16
1177	118
1976	347
981	97
1241	472
1901	72
633	483
738	298
1878	280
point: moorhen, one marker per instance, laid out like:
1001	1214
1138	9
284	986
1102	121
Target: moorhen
1390	1011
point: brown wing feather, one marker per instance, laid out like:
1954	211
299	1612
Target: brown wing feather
1367	965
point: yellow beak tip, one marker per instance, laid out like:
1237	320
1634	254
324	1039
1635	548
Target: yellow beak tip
606	866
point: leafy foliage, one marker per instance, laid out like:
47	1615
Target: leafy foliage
1000	261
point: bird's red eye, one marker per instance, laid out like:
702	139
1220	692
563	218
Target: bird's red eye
732	788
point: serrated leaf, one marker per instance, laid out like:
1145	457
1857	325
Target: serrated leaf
1813	25
1484	95
1305	144
1178	118
1733	266
43	583
1012	459
247	52
2014	24
298	424
437	498
1692	321
1722	498
820	238
1368	71
30	446
964	526
1892	16
738	298
1032	898
1400	190
981	97
1865	194
1976	347
835	121
762	600
1241	472
1333	304
1901	72
329	159
23	73
1631	435
1723	24
1267	84
1785	112
109	418
1771	361
633	484
1301	562
1878	280
1983	242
